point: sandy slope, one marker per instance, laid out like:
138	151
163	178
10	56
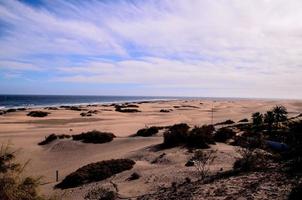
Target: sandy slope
66	156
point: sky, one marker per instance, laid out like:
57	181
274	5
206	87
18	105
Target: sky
207	48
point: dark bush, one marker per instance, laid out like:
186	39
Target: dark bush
223	134
2	112
75	108
190	163
92	111
21	109
176	135
129	110
62	136
251	160
83	114
131	106
53	137
37	114
227	122
294	140
165	110
296	193
244	120
14	184
95	172
11	110
146	132
48	139
200	137
51	108
94	137
100	194
134	176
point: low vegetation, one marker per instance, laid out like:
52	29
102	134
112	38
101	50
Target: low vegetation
227	122
2	112
53	137
176	135
133	176
74	108
202	161
11	110
147	132
48	139
37	114
95	137
95	172
126	108
14	185
243	120
100	193
198	137
165	110
224	134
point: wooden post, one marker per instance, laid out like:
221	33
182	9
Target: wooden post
57	175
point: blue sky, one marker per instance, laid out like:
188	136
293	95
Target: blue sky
157	48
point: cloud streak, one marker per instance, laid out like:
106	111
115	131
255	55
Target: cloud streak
232	45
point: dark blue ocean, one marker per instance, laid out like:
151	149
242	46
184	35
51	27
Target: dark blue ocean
15	101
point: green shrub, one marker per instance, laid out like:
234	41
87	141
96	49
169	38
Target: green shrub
244	120
95	172
13	184
165	110
146	132
200	137
48	139
11	110
227	122
133	176
296	193
100	193
223	134
37	114
176	135
95	137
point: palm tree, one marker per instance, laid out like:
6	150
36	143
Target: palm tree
269	119
280	113
257	119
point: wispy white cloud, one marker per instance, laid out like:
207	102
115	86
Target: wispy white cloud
235	44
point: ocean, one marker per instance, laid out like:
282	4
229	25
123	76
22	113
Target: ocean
18	101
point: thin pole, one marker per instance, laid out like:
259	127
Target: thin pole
57	175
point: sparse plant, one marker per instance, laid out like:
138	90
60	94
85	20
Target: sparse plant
252	158
100	193
94	136
200	137
48	139
13	184
176	135
202	161
244	120
37	114
147	132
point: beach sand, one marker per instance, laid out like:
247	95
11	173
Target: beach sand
24	132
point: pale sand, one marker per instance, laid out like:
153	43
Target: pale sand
66	156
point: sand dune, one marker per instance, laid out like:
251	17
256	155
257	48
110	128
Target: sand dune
25	132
